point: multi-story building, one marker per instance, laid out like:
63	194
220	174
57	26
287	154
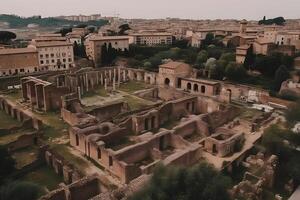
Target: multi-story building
241	53
54	55
19	61
82	18
152	39
93	46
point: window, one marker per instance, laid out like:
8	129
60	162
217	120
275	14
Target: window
52	55
47	55
42	62
99	153
70	60
77	140
110	161
41	56
21	70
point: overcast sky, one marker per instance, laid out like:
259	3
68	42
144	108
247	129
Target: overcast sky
190	9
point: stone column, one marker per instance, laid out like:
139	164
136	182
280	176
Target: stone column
124	75
109	73
79	93
114	84
101	78
119	77
105	83
86	82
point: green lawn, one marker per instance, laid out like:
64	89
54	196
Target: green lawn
8	138
132	86
63	150
7	121
45	177
25	156
15	95
135	103
100	91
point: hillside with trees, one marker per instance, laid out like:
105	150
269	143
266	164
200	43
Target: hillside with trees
277	20
21	22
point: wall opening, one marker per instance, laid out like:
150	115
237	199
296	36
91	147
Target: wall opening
202	89
146	124
196	88
110	161
167	81
189	86
77	140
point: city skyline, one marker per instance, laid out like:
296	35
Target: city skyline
213	9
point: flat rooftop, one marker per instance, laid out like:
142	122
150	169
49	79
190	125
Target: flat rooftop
17	51
104	38
204	81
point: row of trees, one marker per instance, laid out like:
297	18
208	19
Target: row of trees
19	22
278	21
6	37
14	190
199	182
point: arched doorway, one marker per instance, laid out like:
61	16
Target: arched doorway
202	89
196	88
189	86
167	82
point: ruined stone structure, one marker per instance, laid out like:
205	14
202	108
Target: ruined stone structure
84	188
260	175
224	142
15	112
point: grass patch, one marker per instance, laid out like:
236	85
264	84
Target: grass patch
120	143
44	177
7	121
25	156
100	91
14	94
132	86
64	151
10	137
134	103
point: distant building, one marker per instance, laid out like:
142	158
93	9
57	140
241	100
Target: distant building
54	55
152	39
241	53
18	61
93	46
81	18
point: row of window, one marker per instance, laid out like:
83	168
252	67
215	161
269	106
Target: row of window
55	49
31	70
53	61
52	55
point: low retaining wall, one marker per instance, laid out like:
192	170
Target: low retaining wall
16	113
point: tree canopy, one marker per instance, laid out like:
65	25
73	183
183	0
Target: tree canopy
199	182
7	36
19	191
7	163
281	74
278	21
19	22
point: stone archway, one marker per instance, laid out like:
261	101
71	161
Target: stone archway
167	81
196	89
203	89
189	86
